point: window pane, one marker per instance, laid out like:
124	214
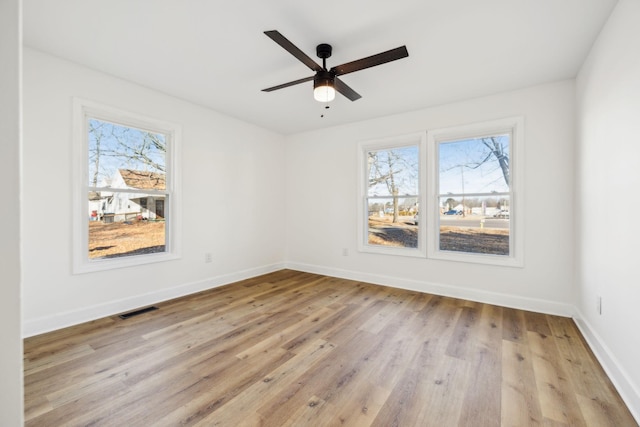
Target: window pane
393	223
391	194
474	183
393	171
124	224
475	224
125	157
393	183
476	165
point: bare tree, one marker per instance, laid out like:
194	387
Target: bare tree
394	170
95	130
114	146
494	150
137	147
450	203
497	150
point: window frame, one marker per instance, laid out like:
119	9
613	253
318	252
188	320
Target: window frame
414	139
513	126
83	110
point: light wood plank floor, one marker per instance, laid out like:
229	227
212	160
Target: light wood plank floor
298	349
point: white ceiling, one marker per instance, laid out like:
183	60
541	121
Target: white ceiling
215	54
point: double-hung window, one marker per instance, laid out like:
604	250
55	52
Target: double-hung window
392	173
449	194
126	188
475	178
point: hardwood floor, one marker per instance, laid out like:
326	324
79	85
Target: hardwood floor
298	349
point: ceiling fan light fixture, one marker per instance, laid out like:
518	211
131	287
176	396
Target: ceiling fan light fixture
323	89
325	81
324	93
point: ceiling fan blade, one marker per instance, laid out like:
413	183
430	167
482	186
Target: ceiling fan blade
306	79
344	89
371	61
292	49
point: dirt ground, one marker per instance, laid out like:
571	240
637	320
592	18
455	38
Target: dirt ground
480	241
142	237
125	238
463	239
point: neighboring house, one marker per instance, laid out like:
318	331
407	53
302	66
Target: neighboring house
95	205
122	206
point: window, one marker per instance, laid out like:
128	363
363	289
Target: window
126	198
475	178
391	192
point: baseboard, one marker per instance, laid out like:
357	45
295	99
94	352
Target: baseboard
504	300
62	320
629	391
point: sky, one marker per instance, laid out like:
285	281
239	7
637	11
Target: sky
465	166
117	146
405	166
462	168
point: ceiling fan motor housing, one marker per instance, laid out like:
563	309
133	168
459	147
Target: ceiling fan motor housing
323	50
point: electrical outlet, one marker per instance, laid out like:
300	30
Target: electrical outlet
599	304
208	258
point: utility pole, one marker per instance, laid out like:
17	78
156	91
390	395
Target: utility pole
462	176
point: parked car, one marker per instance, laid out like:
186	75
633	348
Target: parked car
502	214
415	219
453	212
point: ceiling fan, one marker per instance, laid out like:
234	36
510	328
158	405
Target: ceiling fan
326	81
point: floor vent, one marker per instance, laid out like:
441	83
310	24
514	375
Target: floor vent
137	312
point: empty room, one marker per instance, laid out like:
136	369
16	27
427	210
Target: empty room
341	213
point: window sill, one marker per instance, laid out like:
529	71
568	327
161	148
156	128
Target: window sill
495	260
388	250
103	264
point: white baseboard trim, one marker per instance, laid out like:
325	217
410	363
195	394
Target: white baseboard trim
41	325
629	391
504	300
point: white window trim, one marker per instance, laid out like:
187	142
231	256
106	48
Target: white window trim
513	126
80	239
418	139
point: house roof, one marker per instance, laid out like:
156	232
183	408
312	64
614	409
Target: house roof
143	180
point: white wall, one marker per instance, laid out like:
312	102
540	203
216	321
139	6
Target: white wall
231	192
608	179
234	202
322	203
11	406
